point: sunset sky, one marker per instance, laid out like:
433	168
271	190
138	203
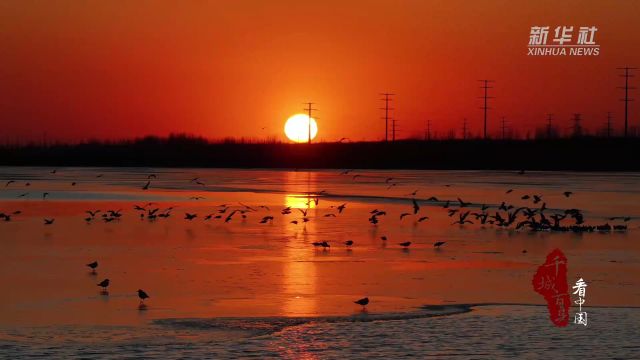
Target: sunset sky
112	69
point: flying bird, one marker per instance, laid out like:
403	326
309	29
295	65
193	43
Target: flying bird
146	186
49	221
266	219
405	244
348	242
190	217
438	244
567	193
416	207
463	204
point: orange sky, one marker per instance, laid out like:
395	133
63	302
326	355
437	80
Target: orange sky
112	69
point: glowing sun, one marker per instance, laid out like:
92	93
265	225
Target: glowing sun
297	128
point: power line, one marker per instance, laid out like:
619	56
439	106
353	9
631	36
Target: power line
486	87
503	127
393	129
309	109
427	133
464	129
626	99
609	128
577	126
387	99
549	126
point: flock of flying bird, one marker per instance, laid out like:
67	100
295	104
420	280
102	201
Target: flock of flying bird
536	217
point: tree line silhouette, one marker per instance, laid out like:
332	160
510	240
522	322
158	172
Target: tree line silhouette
583	153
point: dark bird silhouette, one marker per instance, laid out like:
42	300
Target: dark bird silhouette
567	193
537	198
525	197
9	183
146	186
295	222
303	211
462	219
72	184
438	244
348	242
341	208
509	191
44	195
416	207
403	215
463	204
104	284
405	244
49	221
152	176
383	238
330	215
388	179
364	302
190	217
322	244
266	219
93	266
142	295
423	218
230	216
